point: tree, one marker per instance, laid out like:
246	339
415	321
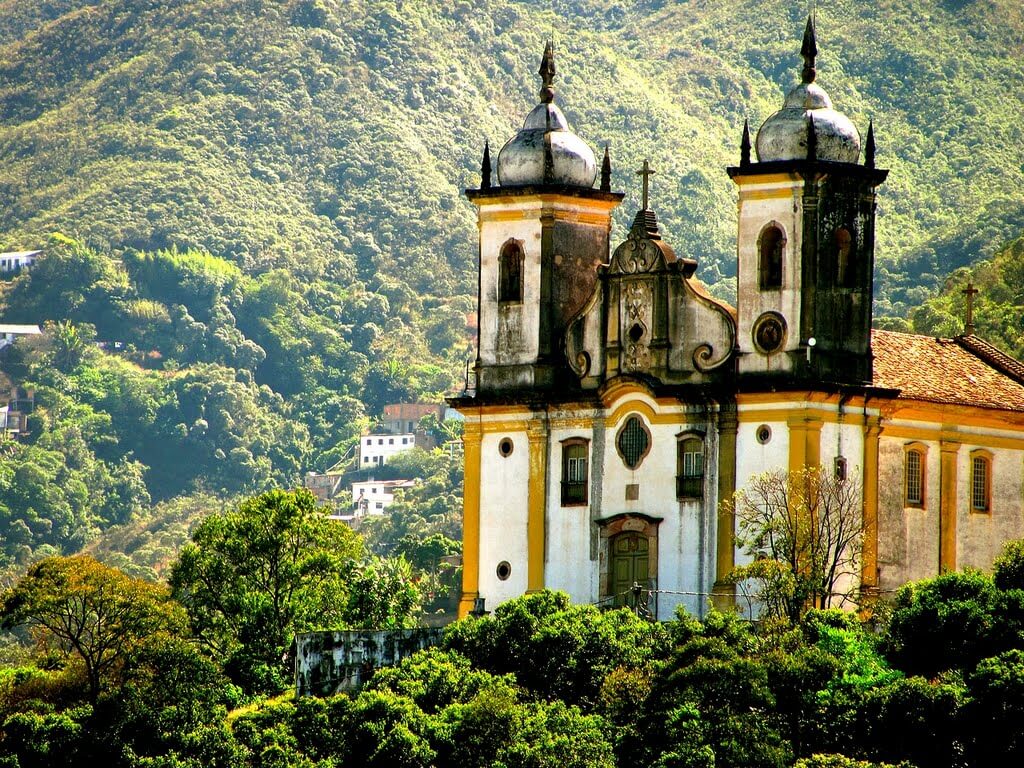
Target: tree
90	614
945	623
801	530
274	566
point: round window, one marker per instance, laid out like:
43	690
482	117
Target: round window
504	570
505	447
764	434
633	442
770	332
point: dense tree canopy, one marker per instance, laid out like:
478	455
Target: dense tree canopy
91	615
273	566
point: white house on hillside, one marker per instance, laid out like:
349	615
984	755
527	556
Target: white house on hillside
13	260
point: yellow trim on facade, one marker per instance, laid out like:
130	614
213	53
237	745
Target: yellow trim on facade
537	502
724	592
535	214
767	194
499	427
943	432
947	504
869	549
766	178
804	396
961	415
471	437
786	415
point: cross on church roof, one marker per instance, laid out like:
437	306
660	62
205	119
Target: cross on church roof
646	172
970	292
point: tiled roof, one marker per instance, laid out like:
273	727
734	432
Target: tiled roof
965	370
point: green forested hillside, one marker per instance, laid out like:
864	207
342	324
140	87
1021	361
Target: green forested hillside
261	211
333	138
999	305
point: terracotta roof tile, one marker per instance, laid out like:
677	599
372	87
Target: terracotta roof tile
966	370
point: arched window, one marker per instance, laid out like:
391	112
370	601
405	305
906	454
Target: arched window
844	265
510	272
914	474
981	481
690	467
770	246
574	472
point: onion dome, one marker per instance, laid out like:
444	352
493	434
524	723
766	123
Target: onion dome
545	151
784	135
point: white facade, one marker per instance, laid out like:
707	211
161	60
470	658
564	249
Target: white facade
9	332
618	499
375	450
373	497
15	260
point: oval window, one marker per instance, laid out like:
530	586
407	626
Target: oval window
633	442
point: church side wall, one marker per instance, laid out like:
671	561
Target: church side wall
910	537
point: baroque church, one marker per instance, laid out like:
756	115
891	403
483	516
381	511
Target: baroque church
615	404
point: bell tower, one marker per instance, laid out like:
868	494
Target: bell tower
544	230
805	246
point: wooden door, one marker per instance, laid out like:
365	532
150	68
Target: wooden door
629	565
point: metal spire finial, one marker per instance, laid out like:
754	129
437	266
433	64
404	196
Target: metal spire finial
485	167
646	172
812	139
869	146
809	50
606	171
970	292
745	145
547	74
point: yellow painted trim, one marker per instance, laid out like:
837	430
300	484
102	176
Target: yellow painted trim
489	411
947	505
797	447
784	415
922	434
497	427
536	533
767	194
584	422
544	200
471	437
962	415
601	219
766	178
621	387
813	450
800	397
869	550
724	592
638	407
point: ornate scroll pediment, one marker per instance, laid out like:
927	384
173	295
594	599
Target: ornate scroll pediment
643	249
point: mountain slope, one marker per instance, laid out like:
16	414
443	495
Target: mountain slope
335	137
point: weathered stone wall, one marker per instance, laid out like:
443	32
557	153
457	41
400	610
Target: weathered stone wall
329	662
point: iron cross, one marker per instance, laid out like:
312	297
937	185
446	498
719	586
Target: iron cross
970	292
646	172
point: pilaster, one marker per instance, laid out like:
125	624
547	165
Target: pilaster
724	592
471	437
949	451
537	503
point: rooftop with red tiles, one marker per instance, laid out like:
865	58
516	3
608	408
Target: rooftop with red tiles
966	370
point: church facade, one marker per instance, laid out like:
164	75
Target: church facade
616	404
